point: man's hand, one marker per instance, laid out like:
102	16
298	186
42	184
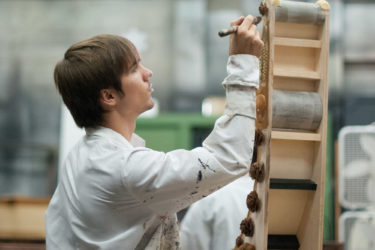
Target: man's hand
246	40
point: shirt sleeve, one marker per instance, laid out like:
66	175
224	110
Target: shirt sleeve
242	80
197	219
214	222
169	182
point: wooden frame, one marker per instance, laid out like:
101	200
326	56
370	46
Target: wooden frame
297	61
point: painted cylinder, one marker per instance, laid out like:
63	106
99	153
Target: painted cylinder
299	12
296	110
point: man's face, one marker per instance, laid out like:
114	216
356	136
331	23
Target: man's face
137	89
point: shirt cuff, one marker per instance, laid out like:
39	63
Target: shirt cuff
241	100
241	84
242	70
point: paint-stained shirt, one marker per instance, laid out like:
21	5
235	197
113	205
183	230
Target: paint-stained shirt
114	195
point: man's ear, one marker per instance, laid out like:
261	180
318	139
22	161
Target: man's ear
107	98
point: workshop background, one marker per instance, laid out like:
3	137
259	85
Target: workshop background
178	40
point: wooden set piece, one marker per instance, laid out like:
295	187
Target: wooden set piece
286	205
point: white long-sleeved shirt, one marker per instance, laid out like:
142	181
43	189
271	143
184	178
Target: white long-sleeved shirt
112	195
213	223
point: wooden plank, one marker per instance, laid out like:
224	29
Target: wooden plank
295	42
23	220
295	84
296	58
24	200
295	30
298	184
310	233
292	159
288	241
300	73
260	237
298	136
286	209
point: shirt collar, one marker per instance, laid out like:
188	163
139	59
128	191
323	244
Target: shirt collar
135	141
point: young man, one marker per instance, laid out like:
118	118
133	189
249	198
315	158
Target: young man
114	195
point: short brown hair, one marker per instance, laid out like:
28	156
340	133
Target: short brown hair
88	67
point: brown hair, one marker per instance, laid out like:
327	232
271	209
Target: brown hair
88	67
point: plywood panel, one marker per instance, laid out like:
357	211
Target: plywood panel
288	83
310	231
295	42
294	30
23	219
286	209
296	73
292	135
298	58
260	218
291	160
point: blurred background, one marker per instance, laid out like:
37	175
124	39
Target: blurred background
178	40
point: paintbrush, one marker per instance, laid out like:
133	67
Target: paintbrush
233	29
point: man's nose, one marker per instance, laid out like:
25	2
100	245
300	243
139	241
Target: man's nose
149	72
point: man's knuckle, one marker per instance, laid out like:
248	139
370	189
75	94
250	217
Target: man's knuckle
241	32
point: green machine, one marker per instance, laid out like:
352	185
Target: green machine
167	132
